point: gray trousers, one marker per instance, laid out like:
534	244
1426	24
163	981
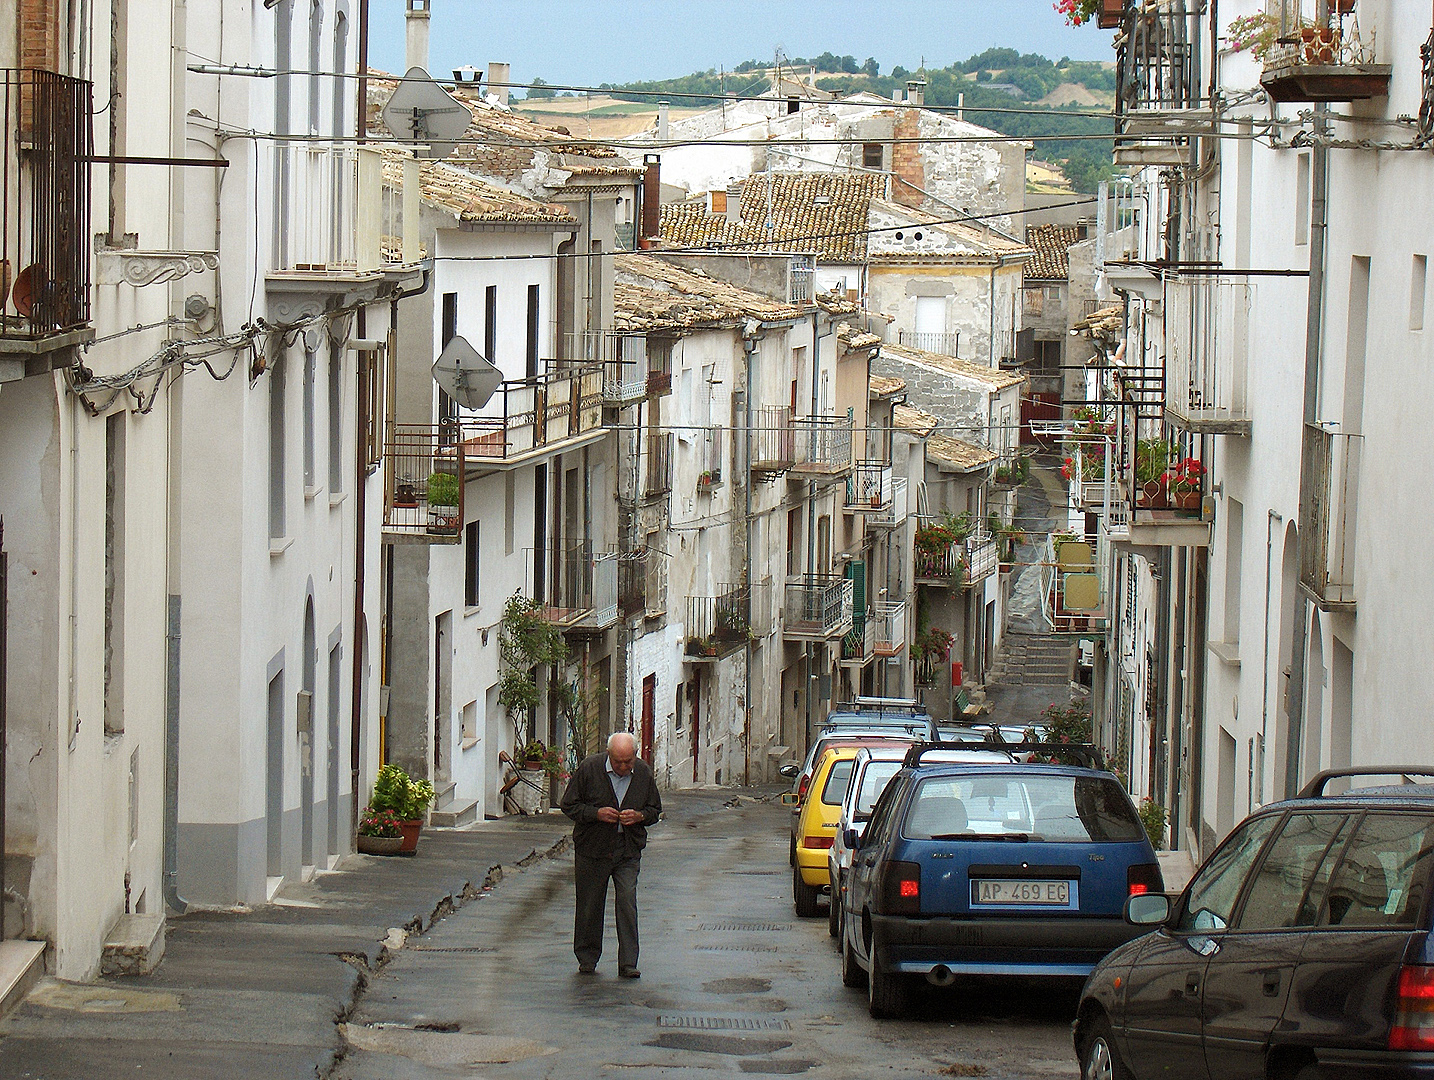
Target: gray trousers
590	876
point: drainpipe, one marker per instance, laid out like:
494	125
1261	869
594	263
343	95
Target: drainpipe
749	346
1319	183
360	469
994	361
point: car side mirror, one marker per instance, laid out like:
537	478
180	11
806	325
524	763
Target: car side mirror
790	770
789	798
852	839
1147	909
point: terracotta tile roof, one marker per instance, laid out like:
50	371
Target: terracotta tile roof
884	386
942	240
994	377
821	214
654	294
954	453
1050	244
911	419
852	338
468	197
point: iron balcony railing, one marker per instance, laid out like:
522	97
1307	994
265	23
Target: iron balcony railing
710	457
632	582
1073	587
525	417
804	269
822	444
624	360
659	463
1328	516
1156	60
858	645
893	516
940	342
889	619
817	606
868	488
576	585
982	558
422	494
773	448
45	204
717	625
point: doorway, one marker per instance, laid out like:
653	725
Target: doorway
305	727
274	778
442	696
649	716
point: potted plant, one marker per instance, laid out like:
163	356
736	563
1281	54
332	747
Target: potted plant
537	757
407	799
443	513
705	480
405	495
1183	483
379	832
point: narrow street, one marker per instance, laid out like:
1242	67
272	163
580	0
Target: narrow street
732	982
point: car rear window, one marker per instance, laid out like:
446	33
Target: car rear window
837	780
1382	879
874	779
1050	808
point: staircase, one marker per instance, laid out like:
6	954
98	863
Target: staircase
1033	660
21	965
450	811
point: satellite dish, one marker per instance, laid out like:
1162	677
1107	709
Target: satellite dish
465	375
423	114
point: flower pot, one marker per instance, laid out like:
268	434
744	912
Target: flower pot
443	520
1186	500
1150	493
408	843
380	845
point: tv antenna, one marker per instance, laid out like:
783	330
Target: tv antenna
423	115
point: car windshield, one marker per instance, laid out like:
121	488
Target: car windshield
873	781
1049	808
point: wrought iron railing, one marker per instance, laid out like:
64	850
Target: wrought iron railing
528	415
632	582
718	624
1206	348
869	486
772	440
940	342
45	204
423	495
1328	515
859	643
821	443
623	356
804	268
579	585
817	605
1156	61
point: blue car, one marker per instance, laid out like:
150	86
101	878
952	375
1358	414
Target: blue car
990	869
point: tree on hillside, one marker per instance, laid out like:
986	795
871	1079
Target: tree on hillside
539	89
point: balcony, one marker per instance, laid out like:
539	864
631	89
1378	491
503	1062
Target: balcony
632	589
1328	516
821	444
773	448
1319	56
659	464
889	619
530	418
982	559
624	360
949	554
858	645
803	271
44	221
817	607
869	487
718	626
1162	499
710	459
578	585
939	342
659	383
893	516
1207	326
1158	103
423	502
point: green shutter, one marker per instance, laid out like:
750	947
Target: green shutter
856	570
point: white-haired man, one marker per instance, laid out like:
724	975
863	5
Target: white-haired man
612	799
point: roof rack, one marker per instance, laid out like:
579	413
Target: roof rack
1091	755
881	704
1315	788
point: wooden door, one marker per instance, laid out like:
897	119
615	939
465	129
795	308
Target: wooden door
649	710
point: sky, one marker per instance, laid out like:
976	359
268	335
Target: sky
587	42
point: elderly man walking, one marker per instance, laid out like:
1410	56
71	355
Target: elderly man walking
612	799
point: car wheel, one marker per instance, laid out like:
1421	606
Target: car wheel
834	911
804	895
887	992
1098	1059
852	974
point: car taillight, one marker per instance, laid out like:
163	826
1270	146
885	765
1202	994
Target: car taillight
818	841
802	786
901	888
1143	878
1413	1027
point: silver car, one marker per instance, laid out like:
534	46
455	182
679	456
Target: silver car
873	767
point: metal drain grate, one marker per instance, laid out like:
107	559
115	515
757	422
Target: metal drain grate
693	1022
755	873
736	948
454	949
775	928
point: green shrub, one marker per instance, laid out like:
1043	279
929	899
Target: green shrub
442	489
1152	816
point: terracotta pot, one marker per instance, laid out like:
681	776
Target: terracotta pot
1186	500
379	845
409	842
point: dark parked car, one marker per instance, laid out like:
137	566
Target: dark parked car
1005	868
1300	949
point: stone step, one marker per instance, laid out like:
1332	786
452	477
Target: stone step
454	813
443	793
134	946
21	965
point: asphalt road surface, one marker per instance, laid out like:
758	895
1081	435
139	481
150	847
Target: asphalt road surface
732	983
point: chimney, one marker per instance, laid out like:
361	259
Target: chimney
734	203
664	112
717	202
651	198
916	92
908	170
498	76
416	22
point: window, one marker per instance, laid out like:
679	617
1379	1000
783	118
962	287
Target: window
1210	899
871	155
1054	809
1302	200
1418	281
336	418
533	324
874	779
834	790
277	522
114	572
1383	878
490	323
471	578
1287	889
470	723
310	363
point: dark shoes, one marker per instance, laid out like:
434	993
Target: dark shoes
587	969
628	973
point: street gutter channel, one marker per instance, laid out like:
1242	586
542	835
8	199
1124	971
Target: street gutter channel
416	927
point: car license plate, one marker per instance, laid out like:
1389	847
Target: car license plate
1021	891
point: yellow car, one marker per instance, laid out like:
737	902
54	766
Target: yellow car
816	826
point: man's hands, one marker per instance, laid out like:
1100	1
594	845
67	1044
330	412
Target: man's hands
610	815
629	817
